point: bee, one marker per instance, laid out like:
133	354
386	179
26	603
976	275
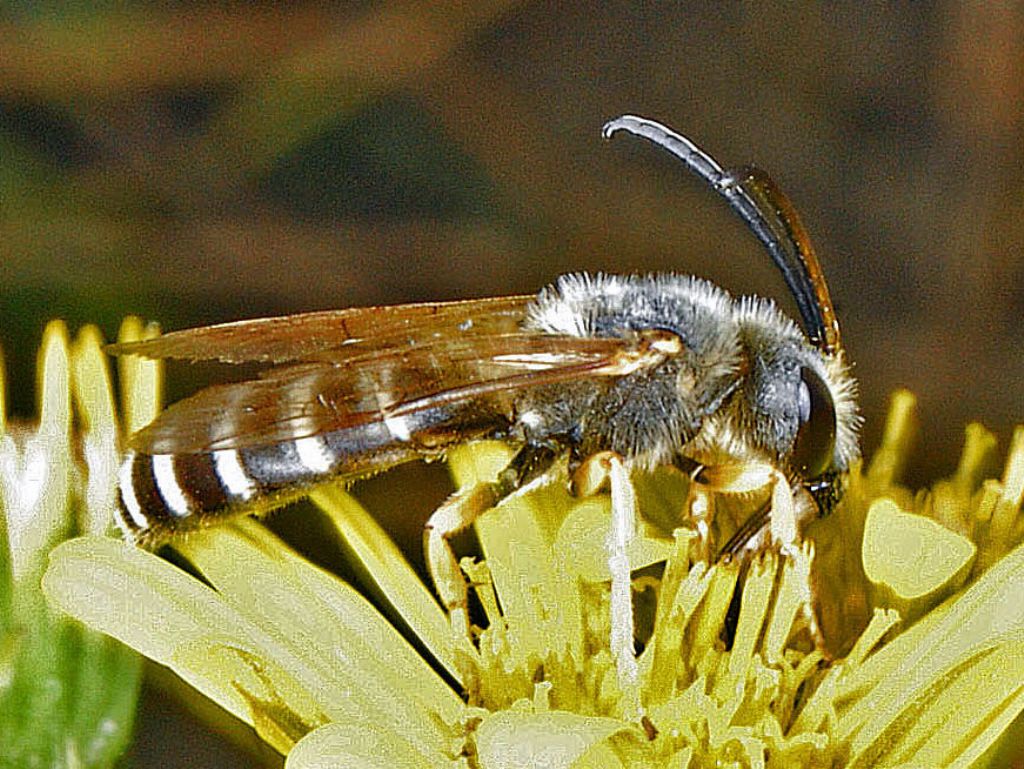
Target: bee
638	370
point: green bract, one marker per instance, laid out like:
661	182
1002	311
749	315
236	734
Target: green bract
67	694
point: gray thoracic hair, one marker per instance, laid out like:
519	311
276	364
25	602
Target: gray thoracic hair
737	389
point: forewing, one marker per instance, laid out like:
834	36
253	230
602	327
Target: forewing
336	334
417	382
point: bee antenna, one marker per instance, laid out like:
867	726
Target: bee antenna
769	215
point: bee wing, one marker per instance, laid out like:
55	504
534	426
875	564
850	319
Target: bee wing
468	383
311	336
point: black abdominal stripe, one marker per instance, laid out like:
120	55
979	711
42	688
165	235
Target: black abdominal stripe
163	494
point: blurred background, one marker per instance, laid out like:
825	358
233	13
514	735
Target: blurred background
197	163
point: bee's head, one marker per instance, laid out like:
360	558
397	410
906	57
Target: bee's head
798	402
799	395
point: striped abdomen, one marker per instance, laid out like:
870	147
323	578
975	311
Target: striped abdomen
164	494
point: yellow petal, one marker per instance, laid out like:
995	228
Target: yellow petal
478	462
552	740
93	391
540	601
387	566
141	378
911	554
354	662
757	593
981	699
887	462
279	707
164	613
355	747
679	599
898	678
94	397
54	382
582	542
793	596
37	500
146	603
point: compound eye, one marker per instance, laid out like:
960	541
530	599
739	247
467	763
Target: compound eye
816	437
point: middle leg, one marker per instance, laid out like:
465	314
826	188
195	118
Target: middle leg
459	511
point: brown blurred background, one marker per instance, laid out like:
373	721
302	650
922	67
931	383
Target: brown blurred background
199	163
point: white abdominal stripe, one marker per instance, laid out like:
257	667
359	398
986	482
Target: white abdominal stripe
164	493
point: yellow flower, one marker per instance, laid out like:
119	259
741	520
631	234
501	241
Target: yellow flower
67	695
323	677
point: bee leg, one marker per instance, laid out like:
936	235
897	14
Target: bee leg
778	515
747	535
783	519
458	512
588	479
697	507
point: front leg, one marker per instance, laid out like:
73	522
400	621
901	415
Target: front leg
458	513
777	517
